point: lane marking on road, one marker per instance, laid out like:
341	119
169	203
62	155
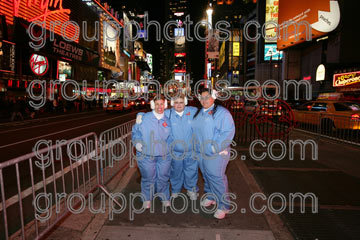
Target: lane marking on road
66	130
218	236
294	169
40	119
47	124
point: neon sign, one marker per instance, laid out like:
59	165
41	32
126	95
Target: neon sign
47	11
39	64
344	79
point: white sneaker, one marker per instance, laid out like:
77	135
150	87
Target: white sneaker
147	204
192	195
220	214
166	203
207	202
174	195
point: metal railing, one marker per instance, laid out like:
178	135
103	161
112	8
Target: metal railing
266	122
115	150
37	186
337	127
45	173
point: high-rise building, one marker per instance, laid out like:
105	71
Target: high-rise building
174	62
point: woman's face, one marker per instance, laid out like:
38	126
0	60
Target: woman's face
159	106
179	104
206	100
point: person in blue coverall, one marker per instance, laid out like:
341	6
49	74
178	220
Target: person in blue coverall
151	136
184	168
214	129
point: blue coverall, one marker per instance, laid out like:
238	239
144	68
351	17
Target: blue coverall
184	168
154	160
214	133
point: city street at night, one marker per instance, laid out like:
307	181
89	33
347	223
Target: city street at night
179	119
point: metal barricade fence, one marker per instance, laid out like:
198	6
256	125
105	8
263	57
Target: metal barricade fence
262	123
338	127
30	184
115	150
25	179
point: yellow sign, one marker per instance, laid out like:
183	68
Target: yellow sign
236	49
222	54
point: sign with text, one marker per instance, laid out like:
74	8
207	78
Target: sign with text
322	15
345	79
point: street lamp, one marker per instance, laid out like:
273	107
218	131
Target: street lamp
209	12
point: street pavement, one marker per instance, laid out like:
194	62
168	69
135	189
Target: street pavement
334	179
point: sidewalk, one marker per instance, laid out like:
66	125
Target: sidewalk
242	224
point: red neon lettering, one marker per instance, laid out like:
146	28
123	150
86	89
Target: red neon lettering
44	6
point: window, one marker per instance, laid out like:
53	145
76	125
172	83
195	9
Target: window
341	107
319	107
350	106
305	107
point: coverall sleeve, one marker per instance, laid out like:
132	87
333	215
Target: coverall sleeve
136	131
224	133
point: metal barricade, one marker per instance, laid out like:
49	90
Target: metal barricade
30	184
54	173
338	127
265	122
115	150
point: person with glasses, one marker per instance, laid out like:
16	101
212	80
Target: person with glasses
184	169
214	129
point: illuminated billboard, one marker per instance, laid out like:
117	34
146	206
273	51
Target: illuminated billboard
322	15
110	54
271	52
345	79
271	15
64	71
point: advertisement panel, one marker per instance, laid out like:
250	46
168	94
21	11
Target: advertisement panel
222	54
149	60
180	44
236	49
7	56
213	45
271	52
322	15
345	79
138	49
271	15
64	71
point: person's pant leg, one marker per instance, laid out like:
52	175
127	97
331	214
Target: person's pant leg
218	183
207	189
147	168
191	173
163	165
176	174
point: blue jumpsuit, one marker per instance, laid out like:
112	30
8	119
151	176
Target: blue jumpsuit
214	133
154	160
184	168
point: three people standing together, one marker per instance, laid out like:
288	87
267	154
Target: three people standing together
171	145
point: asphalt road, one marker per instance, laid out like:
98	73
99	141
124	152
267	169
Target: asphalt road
19	138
